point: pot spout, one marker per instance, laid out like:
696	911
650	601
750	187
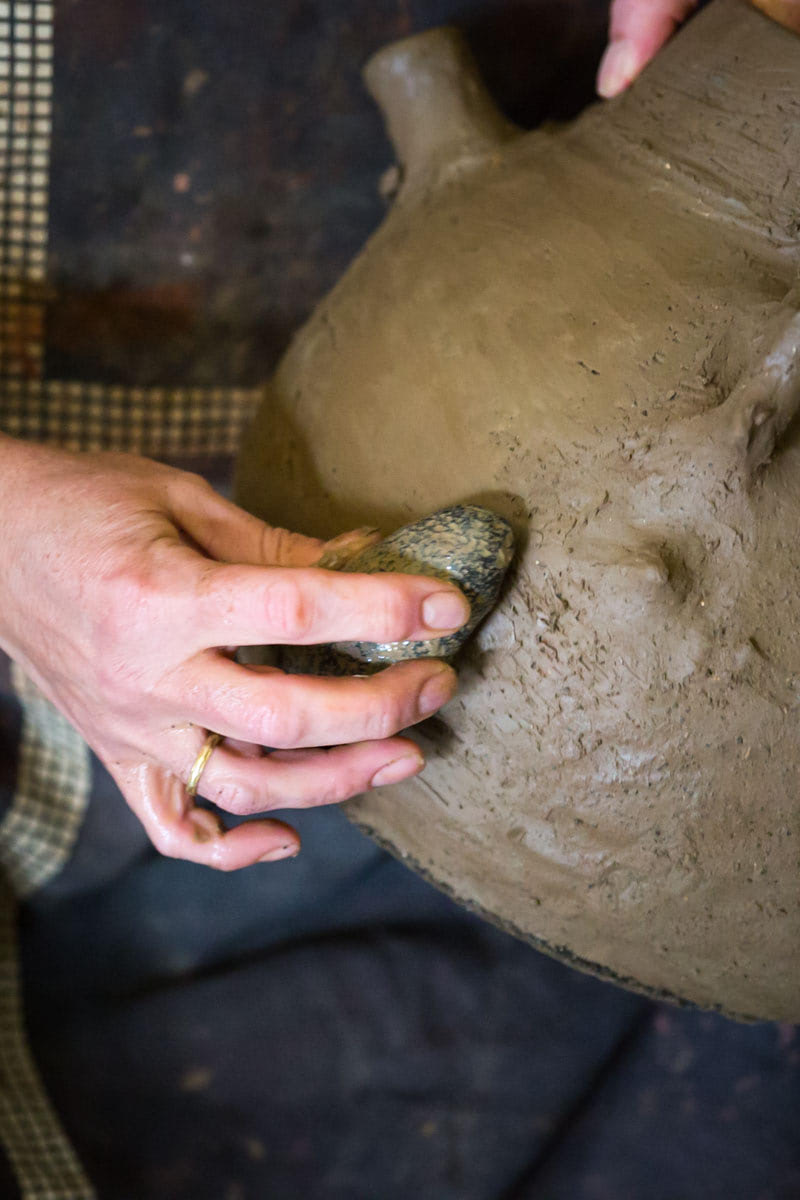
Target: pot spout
439	116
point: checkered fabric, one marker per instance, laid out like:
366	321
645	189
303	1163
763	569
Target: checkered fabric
41	1157
53	780
157	422
38	832
165	422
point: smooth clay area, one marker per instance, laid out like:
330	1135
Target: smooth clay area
593	331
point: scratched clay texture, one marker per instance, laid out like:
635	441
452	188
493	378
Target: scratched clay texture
593	330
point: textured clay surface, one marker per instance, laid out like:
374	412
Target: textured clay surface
591	329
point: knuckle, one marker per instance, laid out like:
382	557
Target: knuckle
380	718
289	610
236	798
392	608
132	599
191	480
334	792
283	728
277	545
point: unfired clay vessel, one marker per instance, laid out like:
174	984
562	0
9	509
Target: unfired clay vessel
591	330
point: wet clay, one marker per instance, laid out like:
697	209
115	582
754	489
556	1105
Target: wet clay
593	331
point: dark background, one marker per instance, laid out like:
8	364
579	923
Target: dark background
215	165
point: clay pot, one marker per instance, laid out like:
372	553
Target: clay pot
591	330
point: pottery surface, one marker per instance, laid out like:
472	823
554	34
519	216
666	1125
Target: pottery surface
593	331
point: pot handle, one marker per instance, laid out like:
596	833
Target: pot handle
766	400
439	115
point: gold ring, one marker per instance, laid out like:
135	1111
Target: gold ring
199	766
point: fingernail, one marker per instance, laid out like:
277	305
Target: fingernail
399	768
437	691
290	851
445	611
618	67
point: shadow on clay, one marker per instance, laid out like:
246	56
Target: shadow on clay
297	475
789	441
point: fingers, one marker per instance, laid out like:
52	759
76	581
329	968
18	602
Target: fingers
244	784
245	605
270	708
229	534
638	30
237	780
178	829
232	600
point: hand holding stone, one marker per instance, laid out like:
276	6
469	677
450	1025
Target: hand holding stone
125	587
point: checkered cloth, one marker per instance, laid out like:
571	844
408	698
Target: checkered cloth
39	829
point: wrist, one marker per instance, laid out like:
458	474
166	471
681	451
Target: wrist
18	492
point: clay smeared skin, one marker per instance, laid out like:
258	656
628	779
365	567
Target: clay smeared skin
593	330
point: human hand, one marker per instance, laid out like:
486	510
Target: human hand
639	28
125	587
637	31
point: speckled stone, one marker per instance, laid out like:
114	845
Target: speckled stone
466	544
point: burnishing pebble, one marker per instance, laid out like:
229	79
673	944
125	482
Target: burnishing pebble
466	545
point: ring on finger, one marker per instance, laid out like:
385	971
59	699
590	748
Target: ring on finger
199	765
